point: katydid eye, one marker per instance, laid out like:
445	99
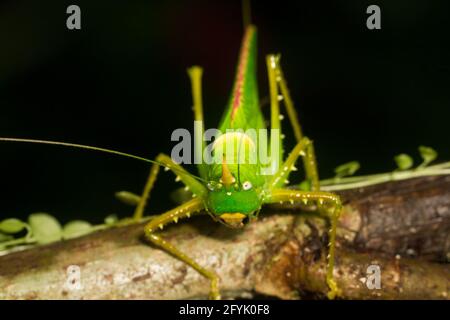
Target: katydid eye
247	185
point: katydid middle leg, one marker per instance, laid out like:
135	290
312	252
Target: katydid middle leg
164	160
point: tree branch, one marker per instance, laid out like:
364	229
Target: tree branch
403	227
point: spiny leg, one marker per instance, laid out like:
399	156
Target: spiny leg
316	196
280	80
195	75
281	195
302	148
164	160
277	81
275	119
184	210
310	164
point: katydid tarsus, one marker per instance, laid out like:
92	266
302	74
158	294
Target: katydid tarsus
230	191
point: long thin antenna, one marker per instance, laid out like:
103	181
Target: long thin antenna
74	145
82	146
246	13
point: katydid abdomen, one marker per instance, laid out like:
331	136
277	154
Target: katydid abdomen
243	111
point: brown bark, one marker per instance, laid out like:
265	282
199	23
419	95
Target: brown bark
401	226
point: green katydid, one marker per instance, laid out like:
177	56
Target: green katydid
232	192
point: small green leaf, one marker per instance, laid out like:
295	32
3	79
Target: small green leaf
111	219
403	161
12	225
128	198
428	155
347	169
305	185
45	228
76	228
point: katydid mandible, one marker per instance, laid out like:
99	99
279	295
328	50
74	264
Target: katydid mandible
229	191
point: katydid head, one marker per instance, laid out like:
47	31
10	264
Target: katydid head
234	201
233	207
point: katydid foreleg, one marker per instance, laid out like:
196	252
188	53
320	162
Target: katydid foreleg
185	210
305	197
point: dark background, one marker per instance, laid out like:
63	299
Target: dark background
120	83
